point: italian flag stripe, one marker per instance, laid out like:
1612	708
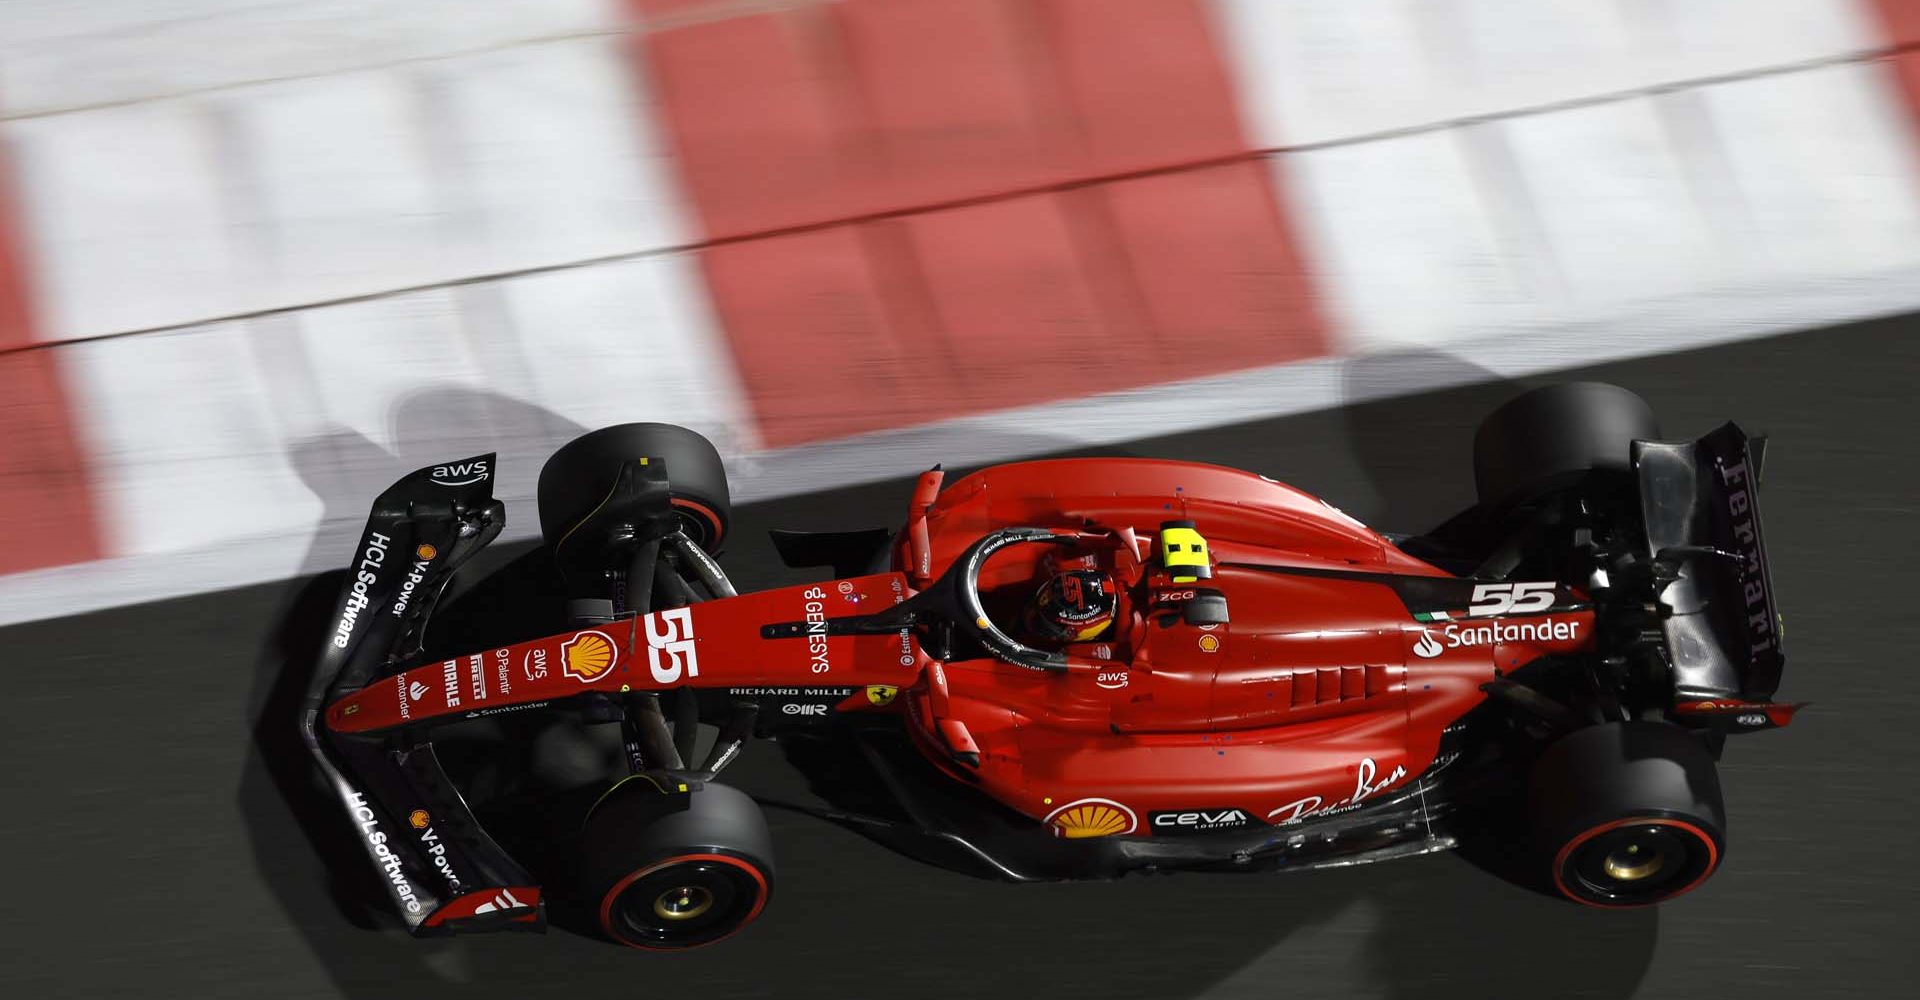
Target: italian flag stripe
1432	616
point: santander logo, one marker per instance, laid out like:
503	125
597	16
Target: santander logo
1428	647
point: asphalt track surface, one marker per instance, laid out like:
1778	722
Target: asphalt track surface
157	845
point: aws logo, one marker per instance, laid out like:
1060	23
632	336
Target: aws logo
587	657
460	473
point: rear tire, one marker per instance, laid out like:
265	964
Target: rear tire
1554	436
1626	814
579	476
669	872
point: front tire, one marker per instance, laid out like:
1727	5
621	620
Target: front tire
579	476
1627	814
670	872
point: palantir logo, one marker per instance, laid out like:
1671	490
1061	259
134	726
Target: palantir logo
1428	647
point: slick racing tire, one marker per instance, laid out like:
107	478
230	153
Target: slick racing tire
665	872
578	477
1554	436
1626	814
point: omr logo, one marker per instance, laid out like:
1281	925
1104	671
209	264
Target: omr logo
1428	647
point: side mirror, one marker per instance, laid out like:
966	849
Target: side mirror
1206	607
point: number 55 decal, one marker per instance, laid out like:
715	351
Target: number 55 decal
670	645
1510	599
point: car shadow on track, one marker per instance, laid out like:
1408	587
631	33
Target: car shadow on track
852	919
308	855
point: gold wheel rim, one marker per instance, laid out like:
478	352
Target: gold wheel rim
682	903
1631	864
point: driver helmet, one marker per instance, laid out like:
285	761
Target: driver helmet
1074	606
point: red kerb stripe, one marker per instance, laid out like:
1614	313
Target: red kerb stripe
933	208
46	507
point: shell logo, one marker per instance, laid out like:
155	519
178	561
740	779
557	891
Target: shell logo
418	819
586	657
1092	818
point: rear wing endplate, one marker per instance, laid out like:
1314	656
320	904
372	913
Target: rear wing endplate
1700	500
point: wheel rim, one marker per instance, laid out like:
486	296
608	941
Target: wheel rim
1635	862
684	902
700	522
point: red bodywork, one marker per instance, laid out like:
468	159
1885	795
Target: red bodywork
1321	692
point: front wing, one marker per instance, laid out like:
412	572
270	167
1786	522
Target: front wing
439	868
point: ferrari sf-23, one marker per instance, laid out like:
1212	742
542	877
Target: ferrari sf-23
1081	669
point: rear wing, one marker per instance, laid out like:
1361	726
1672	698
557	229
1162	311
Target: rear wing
440	869
1700	500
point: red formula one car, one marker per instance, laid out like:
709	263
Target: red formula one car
1084	668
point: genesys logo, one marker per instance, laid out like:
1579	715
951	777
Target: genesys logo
816	614
460	473
1199	820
